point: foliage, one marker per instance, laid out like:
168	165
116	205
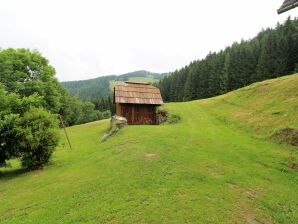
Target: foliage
104	104
26	132
9	149
28	74
208	168
272	53
30	95
173	118
37	137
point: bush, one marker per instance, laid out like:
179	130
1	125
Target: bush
161	115
106	114
31	137
173	118
38	137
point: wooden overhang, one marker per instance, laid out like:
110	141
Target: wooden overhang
287	5
137	93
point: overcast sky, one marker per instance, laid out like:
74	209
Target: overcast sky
89	38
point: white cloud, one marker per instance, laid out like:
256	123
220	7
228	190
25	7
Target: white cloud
90	38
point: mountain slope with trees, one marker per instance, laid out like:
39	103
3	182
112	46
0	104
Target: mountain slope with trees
101	87
272	53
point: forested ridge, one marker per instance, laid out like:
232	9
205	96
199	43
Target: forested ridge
272	53
98	88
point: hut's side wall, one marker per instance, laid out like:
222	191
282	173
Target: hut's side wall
137	113
118	109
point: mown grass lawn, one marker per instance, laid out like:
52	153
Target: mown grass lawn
209	168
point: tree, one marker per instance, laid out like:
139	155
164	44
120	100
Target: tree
224	78
37	137
9	149
27	72
26	132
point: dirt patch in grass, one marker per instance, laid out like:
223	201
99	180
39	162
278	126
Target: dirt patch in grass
150	155
216	175
287	136
232	185
252	194
248	216
183	194
293	164
264	86
245	212
126	143
240	114
9	211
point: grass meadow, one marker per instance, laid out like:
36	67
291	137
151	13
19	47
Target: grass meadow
216	165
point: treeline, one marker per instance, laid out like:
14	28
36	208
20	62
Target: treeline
272	53
90	89
104	104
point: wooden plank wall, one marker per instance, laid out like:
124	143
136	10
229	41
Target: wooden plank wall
137	113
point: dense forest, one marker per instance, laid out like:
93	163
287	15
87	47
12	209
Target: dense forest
272	53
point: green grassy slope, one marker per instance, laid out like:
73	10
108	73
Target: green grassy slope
263	107
209	168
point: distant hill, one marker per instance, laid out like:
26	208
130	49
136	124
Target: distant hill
102	86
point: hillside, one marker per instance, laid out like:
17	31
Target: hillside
102	86
217	165
263	108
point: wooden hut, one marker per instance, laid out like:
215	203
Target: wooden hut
137	102
287	5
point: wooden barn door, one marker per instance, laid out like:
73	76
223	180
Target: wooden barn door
139	113
144	114
127	112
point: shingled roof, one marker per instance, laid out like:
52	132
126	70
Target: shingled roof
287	5
137	93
